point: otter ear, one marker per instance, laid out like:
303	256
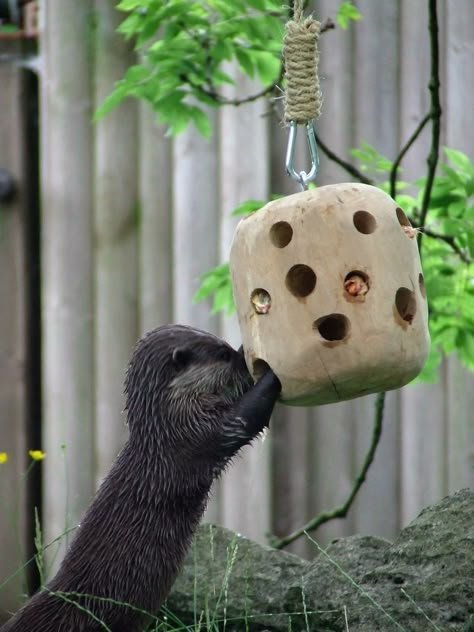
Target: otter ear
181	357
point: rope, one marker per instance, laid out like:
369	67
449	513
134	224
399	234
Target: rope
301	56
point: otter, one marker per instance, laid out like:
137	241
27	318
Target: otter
191	404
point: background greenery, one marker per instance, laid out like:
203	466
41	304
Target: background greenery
184	46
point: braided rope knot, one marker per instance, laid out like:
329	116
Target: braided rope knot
301	56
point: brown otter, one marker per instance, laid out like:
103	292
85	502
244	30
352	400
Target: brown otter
191	405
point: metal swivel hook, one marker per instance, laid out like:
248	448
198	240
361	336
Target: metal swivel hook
302	177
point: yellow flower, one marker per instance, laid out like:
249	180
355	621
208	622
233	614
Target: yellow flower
37	455
3	457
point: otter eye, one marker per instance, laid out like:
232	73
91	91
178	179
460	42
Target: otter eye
181	357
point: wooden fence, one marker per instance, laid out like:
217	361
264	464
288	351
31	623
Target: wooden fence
129	221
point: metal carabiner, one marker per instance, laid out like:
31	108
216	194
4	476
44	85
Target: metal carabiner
302	177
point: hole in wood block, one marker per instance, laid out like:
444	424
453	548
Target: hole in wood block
405	224
402	218
332	327
421	282
405	302
364	222
260	367
300	280
261	301
356	284
281	234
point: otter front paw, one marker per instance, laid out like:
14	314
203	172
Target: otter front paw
251	415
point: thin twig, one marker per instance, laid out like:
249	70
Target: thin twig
347	166
451	241
394	170
211	92
341	511
218	98
435	113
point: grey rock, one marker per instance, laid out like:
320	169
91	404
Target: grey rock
423	581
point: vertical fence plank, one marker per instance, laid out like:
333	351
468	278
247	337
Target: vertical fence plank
459	57
376	76
12	346
292	471
332	478
155	256
414	78
66	179
376	120
422	448
458	62
459	472
377	507
115	237
291	464
336	124
195	223
244	169
195	233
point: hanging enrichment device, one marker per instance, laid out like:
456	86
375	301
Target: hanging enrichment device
328	283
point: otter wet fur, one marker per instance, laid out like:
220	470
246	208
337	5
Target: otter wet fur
191	405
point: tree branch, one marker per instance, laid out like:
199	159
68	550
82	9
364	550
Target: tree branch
341	512
451	241
347	166
435	114
394	170
213	94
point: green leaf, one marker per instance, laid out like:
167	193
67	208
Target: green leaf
201	121
111	101
129	5
224	299
9	28
244	59
259	5
248	207
431	368
347	12
267	65
217	283
459	160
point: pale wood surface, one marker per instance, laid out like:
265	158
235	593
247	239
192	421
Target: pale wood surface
195	224
458	63
245	489
12	345
381	347
155	223
67	264
116	217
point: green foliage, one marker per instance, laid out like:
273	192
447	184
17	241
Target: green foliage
184	45
371	162
248	207
447	251
447	265
346	13
216	283
9	28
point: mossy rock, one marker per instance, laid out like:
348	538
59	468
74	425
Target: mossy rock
423	581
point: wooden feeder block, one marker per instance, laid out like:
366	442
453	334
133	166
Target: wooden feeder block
330	293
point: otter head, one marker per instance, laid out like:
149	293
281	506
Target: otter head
177	371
